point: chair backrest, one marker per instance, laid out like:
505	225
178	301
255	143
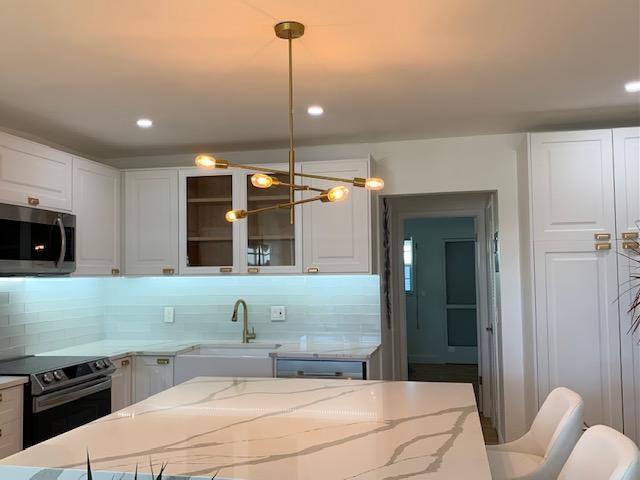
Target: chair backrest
558	425
603	454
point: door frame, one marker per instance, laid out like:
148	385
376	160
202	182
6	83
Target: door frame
398	304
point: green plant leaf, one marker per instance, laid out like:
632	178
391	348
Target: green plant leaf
89	474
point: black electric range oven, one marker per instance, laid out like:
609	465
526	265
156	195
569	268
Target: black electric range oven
62	393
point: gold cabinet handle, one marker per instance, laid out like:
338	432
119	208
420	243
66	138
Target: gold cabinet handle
603	246
33	201
0	432
115	272
630	245
602	236
253	270
0	397
226	269
125	363
168	271
629	235
313	270
162	361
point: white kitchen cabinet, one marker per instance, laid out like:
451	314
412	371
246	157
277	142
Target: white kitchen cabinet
10	420
121	384
337	236
151	222
34	175
96	201
152	375
626	152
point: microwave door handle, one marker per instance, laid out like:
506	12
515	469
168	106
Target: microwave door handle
63	243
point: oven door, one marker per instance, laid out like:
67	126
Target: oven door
36	242
58	412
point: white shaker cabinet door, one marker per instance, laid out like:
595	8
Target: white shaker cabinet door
152	375
96	202
336	236
572	185
151	222
578	332
121	384
626	148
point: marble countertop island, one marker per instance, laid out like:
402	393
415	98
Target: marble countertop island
284	429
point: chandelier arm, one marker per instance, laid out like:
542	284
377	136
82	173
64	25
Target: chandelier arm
286	205
254	168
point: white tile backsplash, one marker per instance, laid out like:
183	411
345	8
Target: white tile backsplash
42	314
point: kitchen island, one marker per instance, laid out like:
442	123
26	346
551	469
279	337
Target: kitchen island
265	428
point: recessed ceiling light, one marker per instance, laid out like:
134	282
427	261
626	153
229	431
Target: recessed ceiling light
632	87
315	110
144	123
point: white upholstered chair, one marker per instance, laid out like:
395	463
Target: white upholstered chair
541	453
602	454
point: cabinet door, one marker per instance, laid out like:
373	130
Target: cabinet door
96	202
208	243
34	175
572	185
151	222
626	148
271	244
578	332
152	375
121	384
336	236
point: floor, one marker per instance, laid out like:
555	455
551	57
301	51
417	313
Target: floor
426	372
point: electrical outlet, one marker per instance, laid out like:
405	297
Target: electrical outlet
278	313
169	314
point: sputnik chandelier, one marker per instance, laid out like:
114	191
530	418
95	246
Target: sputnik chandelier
264	178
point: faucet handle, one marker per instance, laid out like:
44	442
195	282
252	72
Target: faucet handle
253	333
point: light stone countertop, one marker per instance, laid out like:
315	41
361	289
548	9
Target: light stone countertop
8	382
264	428
288	349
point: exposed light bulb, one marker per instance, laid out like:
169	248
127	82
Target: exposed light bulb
233	215
144	123
338	194
261	180
374	183
209	162
315	110
632	87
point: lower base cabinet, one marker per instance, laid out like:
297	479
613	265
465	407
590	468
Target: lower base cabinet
152	375
10	421
121	384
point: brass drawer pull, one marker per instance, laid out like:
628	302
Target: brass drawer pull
630	245
603	246
313	270
115	272
226	269
163	361
33	201
0	397
168	271
125	363
602	236
0	432
253	270
629	235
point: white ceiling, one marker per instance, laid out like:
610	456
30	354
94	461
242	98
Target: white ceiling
211	74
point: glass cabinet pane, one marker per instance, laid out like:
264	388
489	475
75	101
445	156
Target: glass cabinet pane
209	235
271	237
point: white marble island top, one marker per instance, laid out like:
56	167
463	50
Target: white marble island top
265	428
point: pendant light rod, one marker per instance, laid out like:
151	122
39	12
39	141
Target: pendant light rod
292	153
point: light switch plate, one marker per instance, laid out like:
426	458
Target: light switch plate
278	313
169	314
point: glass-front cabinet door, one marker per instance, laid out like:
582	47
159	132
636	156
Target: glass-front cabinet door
208	243
272	244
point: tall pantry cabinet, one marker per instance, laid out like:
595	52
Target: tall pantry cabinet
585	203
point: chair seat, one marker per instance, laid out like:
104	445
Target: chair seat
507	465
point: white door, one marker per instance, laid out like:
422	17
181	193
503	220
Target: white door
121	384
626	148
152	375
336	236
96	203
577	326
572	185
34	175
151	222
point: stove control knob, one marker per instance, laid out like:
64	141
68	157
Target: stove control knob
47	377
99	364
58	375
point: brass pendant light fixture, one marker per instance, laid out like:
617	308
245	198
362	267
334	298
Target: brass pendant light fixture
264	177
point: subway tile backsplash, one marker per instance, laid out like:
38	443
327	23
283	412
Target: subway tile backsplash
42	314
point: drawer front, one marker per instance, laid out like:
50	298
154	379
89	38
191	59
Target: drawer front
10	438
10	404
329	369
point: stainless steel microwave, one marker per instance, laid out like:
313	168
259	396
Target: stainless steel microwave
36	242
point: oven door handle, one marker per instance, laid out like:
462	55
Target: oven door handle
63	242
52	400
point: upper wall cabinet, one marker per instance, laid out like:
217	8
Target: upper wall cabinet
572	181
337	236
151	222
96	200
34	175
626	147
